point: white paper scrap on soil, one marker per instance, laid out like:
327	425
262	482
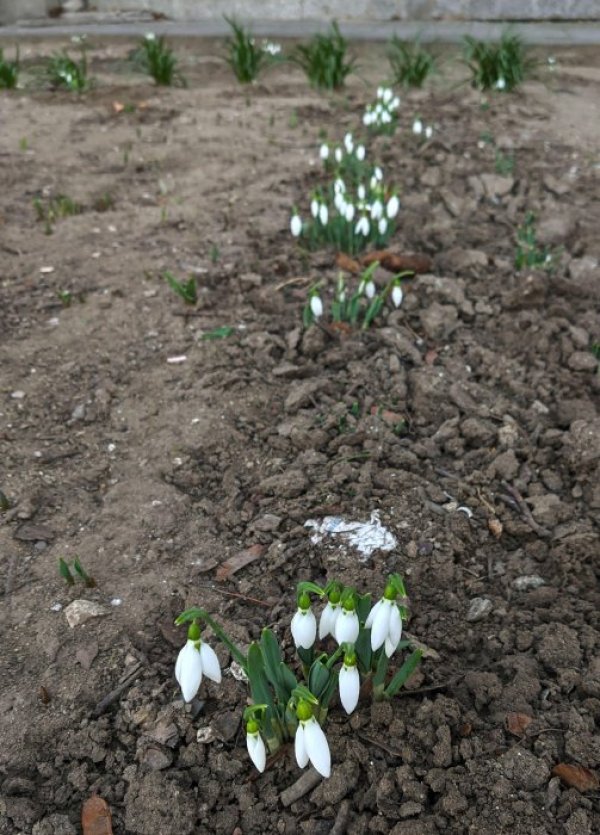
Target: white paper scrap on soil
366	537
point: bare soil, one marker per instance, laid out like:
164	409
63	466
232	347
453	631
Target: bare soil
155	473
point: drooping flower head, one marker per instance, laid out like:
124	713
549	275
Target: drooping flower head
195	659
296	225
330	613
385	621
255	745
349	682
311	743
304	623
347	626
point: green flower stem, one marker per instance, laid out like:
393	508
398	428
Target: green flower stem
337	654
379	677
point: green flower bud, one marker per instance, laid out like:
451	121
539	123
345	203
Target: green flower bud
350	659
334	597
304	601
193	632
252	727
390	592
304	712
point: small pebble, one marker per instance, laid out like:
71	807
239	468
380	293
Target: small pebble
18	395
479	608
528	581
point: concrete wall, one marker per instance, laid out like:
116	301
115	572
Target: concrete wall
373	10
368	10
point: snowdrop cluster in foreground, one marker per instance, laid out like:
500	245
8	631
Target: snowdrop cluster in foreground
290	701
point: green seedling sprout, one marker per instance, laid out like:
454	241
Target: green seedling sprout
187	290
246	58
325	60
156	59
9	71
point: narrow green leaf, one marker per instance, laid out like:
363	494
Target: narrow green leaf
362	648
318	678
65	572
218	333
404	673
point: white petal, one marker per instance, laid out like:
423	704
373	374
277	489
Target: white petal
256	749
347	627
395	630
304	629
349	688
381	625
397	295
392	207
188	670
316	306
300	746
328	619
323	214
210	662
389	647
370	289
373	614
317	747
295	226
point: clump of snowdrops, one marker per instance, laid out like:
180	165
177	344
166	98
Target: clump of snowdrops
381	117
352	643
354	209
356	306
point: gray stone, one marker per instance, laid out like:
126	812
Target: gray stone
496	186
54	825
479	609
527	582
582	361
559	647
582	444
80	611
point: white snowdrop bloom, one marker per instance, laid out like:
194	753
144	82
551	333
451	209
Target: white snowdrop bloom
324	151
417	127
349	682
428	132
395	103
346	627
311	744
385	624
500	84
304	623
349	142
316	306
330	613
367	119
195	659
377	209
373	183
370	289
314	207
323	214
339	203
378	109
397	295
338	154
392	207
296	226
150	36
349	213
360	153
378	173
256	748
361	192
380	92
363	226
339	186
386	117
387	96
382	226
271	48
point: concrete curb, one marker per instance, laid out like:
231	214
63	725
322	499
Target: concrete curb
550	34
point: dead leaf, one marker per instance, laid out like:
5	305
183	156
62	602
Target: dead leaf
240	560
340	328
387	416
517	723
118	106
395	262
95	817
577	777
344	262
430	357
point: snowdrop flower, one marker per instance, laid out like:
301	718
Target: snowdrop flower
363	226
395	103
500	84
392	207
304	623
417	127
150	36
360	153
311	742
323	214
386	117
271	48
397	295
330	613
324	151
296	225
316	307
428	132
349	213
256	746
349	142
378	173
314	207
385	623
370	289
380	92
367	119
195	659
377	209
382	226
339	186
387	96
361	192
349	681
346	627
338	154
339	203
